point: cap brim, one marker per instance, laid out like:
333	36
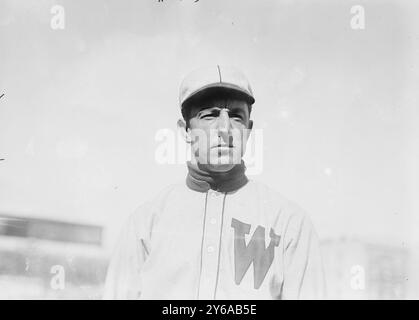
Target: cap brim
219	89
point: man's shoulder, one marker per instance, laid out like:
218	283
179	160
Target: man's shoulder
271	194
286	212
168	190
160	196
274	198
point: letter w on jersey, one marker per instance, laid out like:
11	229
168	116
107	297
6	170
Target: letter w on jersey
254	252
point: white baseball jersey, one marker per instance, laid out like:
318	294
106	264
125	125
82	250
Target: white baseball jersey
248	244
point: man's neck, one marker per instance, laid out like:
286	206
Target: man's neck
201	179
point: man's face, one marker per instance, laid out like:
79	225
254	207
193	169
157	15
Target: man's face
219	130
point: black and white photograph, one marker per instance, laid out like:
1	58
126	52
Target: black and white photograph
209	150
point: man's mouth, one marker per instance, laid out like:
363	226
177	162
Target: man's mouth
224	144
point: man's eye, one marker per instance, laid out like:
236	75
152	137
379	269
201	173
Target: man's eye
207	116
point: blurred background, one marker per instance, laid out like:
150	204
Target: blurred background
86	86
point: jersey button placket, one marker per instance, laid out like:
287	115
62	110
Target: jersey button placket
211	245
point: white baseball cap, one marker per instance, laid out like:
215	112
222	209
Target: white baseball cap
221	77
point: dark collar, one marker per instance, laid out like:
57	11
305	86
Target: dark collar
201	180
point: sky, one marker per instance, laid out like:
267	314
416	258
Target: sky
337	107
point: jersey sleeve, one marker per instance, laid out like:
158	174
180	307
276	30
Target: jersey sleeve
303	266
123	279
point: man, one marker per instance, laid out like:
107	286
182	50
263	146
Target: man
219	235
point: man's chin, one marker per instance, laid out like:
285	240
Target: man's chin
222	164
221	167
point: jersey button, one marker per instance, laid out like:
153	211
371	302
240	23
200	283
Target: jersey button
213	221
210	249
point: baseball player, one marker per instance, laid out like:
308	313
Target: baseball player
217	235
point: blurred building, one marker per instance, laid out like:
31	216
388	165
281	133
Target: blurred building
358	269
47	259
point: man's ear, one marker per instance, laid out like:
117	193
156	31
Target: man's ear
181	125
250	124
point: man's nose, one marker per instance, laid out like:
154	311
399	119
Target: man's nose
224	125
